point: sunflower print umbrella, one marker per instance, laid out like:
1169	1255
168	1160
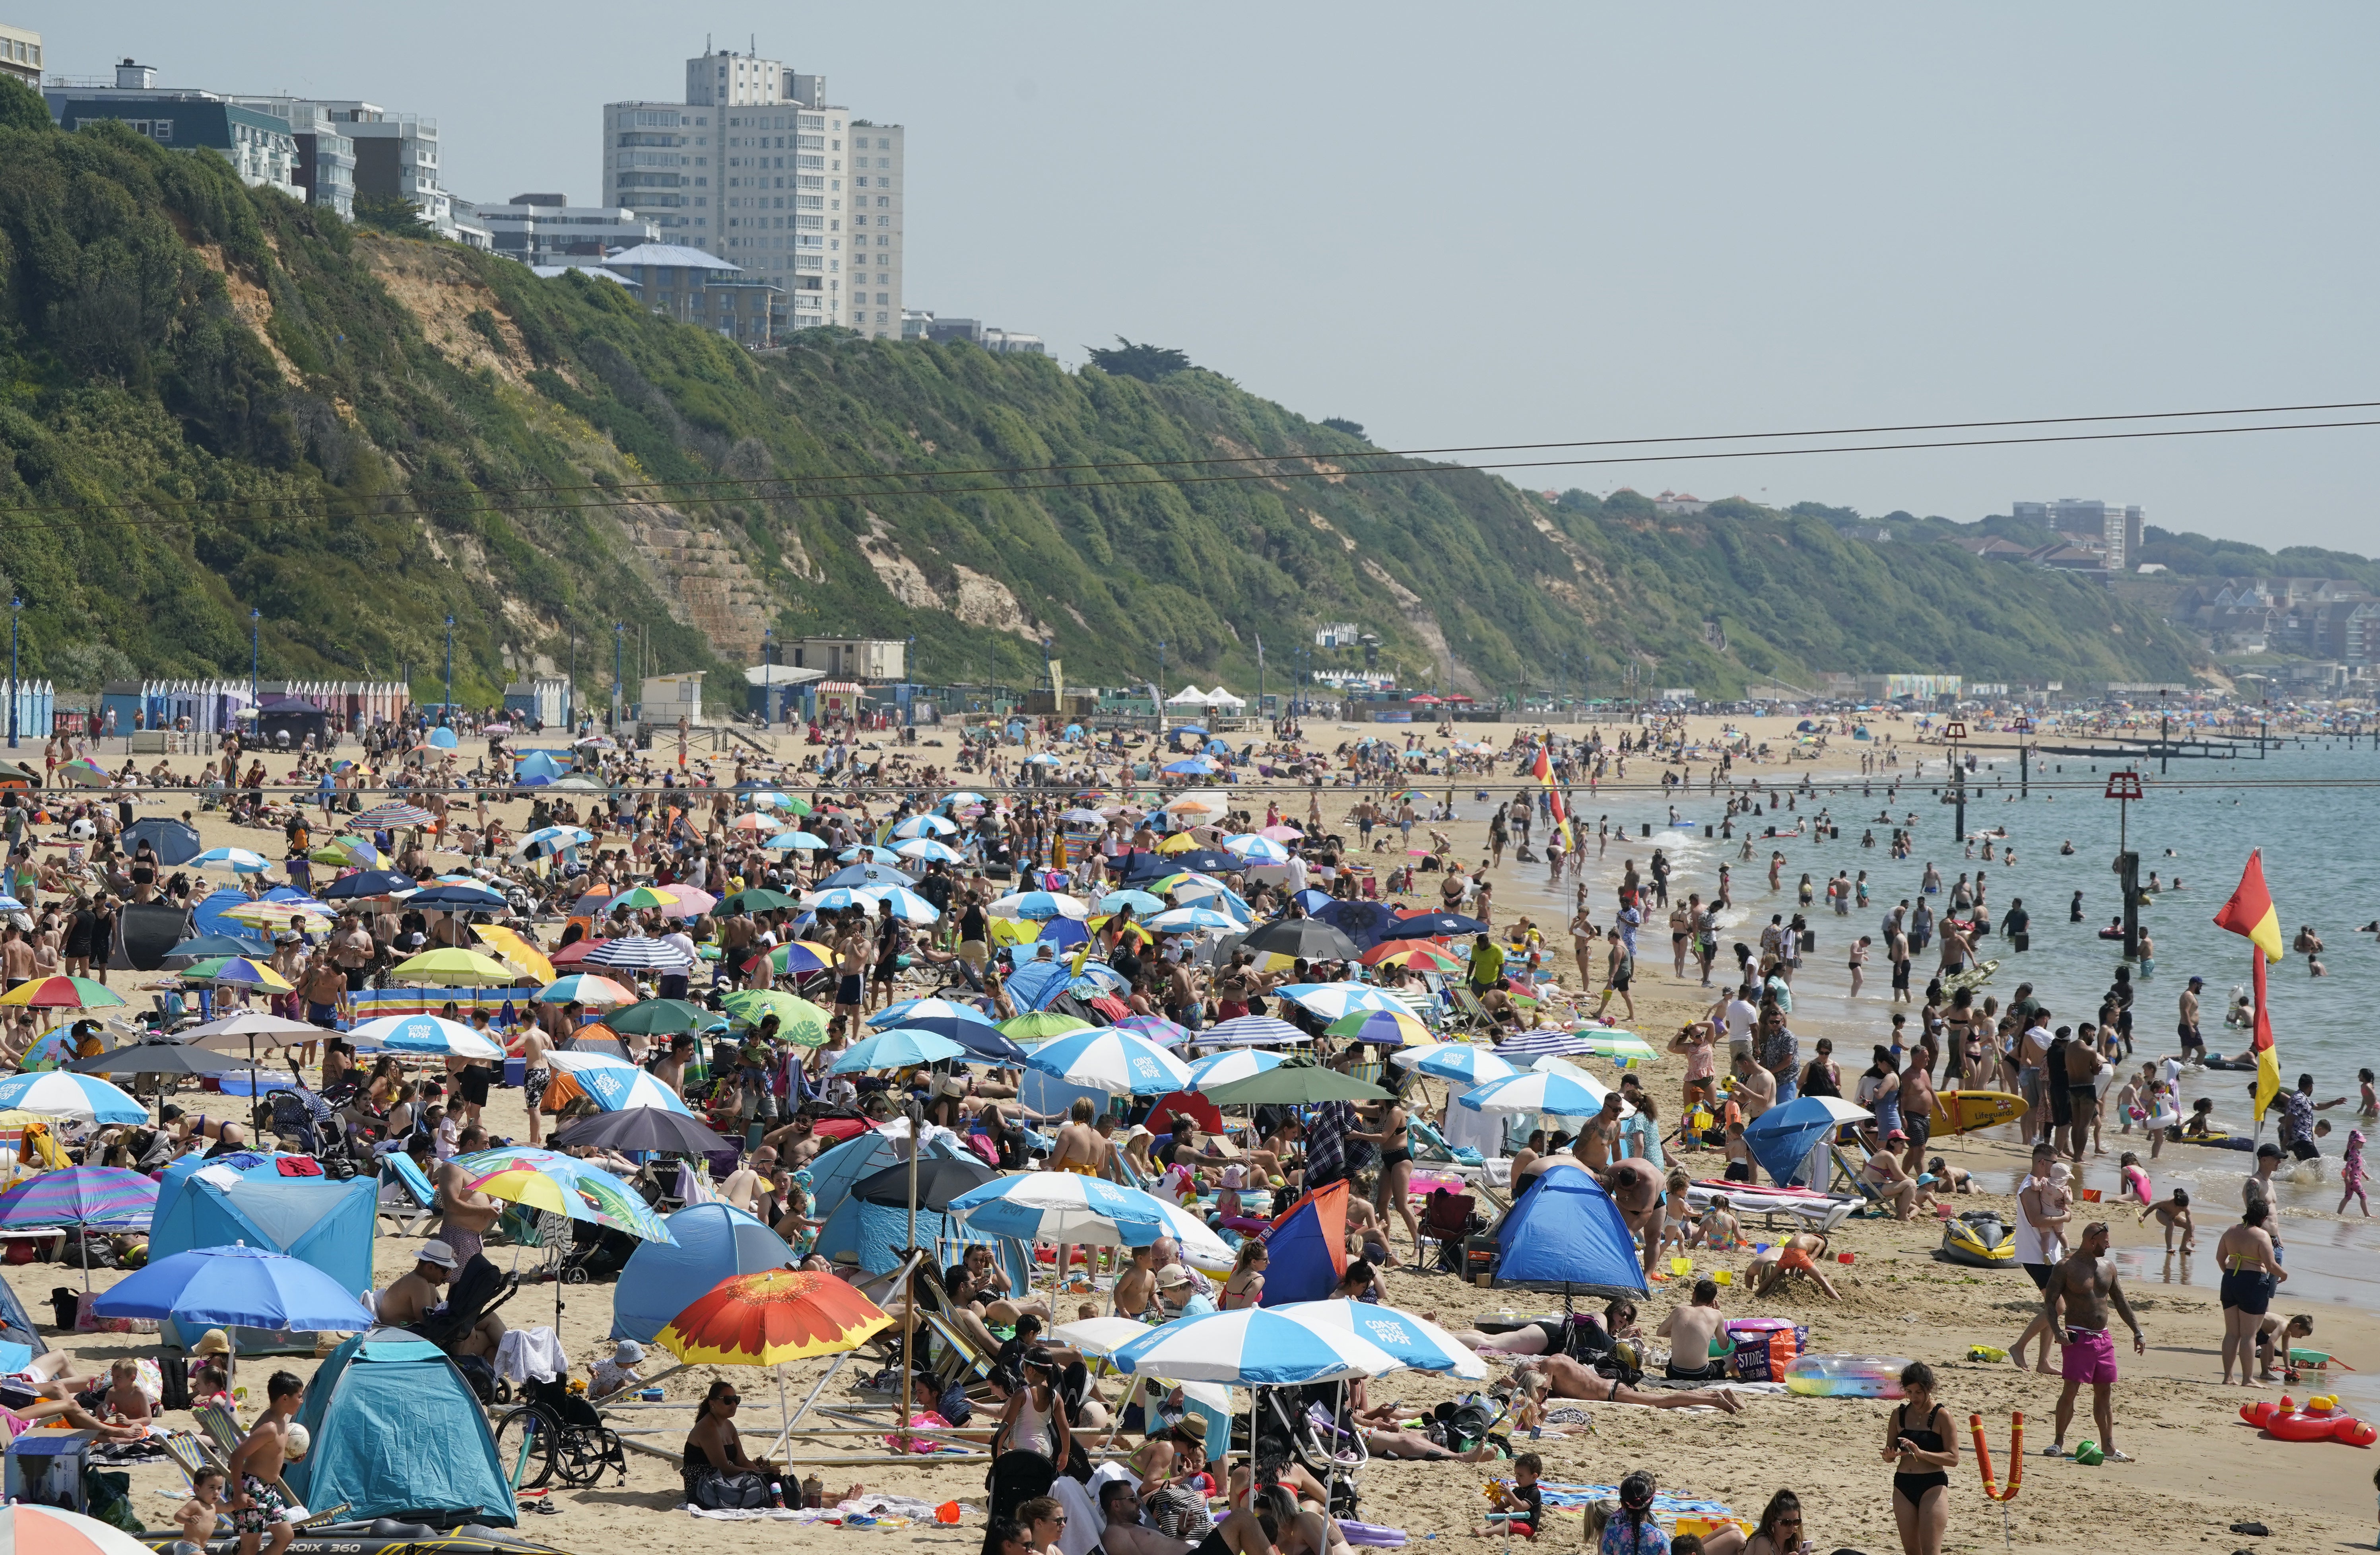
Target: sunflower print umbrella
564	1184
777	1315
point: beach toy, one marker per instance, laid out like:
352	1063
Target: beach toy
2287	1424
2260	1413
949	1511
1373	1536
1680	1267
1985	1352
2322	1404
2318	1359
1722	1277
2087	1453
2016	1456
1856	1376
1843	1258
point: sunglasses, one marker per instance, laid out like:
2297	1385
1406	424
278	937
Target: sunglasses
732	1401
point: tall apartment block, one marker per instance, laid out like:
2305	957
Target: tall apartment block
756	167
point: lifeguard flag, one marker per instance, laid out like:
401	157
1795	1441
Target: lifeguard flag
2251	915
1543	771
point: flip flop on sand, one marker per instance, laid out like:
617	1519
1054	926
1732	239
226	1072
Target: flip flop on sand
2115	1457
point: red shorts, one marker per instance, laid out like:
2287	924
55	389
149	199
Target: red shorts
2088	1355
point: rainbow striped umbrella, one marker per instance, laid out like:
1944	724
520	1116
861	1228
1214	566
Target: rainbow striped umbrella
80	1195
60	992
564	1184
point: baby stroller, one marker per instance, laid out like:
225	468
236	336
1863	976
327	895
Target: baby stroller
595	1253
478	1288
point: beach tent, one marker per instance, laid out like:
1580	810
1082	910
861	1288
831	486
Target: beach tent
877	1232
397	1433
662	1280
1307	1248
244	1198
177	842
1565	1234
17	1329
538	768
207	917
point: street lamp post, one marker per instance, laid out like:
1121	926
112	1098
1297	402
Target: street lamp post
16	608
446	715
255	654
618	628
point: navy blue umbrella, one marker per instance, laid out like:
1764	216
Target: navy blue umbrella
1431	926
365	883
1366	923
456	898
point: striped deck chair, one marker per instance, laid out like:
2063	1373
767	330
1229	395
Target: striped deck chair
220	1429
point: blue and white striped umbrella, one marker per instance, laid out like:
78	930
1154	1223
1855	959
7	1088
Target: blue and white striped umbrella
868	854
907	905
1564	1095
1416	1342
1462	1061
1255	1347
1182	920
1221	1069
842	898
57	1093
1249	1031
898	1048
1116	1062
1333	1001
1257	849
239	860
963	797
616	1085
925	826
805	842
558	836
426	1034
1523	1046
1138	900
929	850
1039	905
638	952
1062	1207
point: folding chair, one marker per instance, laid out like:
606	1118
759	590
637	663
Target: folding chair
1445	1217
221	1433
1468	1016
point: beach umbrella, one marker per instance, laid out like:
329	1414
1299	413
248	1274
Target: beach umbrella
59	1093
906	904
1413	952
239	860
1180	841
457	896
753	820
759	899
963	797
1040	1025
1782	1138
635	952
80	1195
1308	937
250	1028
864	876
897	1049
638	898
643	1128
367	884
1157	1028
658	1017
1255	849
60	992
391	816
805	842
926	826
868	853
794	958
1176	920
234	1287
1473	1066
614	1085
1332	1000
161	1058
1063	1207
455	969
1083	816
929	851
552	839
940	1180
1523	1047
585	988
1138	900
427	1034
1196	766
1621	1047
1255	1346
1221	1069
1280	834
842	899
930	1014
1417	1344
84	772
564	1184
1115	1062
236	971
1261	1031
1039	905
775	1316
1394	1029
1436	925
1294	1082
30	1529
1569	1095
799	1021
312	918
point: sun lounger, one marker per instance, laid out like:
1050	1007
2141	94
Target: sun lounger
405	1195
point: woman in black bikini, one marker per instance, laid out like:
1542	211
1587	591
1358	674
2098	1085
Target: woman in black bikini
1919	1444
1396	1168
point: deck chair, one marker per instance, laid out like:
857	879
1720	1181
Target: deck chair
1468	1016
1429	1146
221	1432
405	1195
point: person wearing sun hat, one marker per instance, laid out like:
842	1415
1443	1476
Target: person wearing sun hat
618	1374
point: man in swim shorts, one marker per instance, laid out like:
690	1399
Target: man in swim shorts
2194	1048
2081	1290
1569	1379
1694	1331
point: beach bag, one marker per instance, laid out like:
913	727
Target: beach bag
718	1491
1764	1347
1179	1512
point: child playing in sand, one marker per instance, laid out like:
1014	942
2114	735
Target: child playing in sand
1949	1179
1519	1503
2174	1214
1721	1229
124	1403
2136	1180
2272	1340
2350	1173
195	1517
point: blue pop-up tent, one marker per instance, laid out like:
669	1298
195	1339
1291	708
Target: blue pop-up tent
244	1198
1566	1234
661	1279
1306	1248
397	1431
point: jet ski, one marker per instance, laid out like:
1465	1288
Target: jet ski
1980	1239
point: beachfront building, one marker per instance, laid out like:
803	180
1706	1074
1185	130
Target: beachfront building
20	55
756	167
261	149
2112	530
695	287
922	324
546	229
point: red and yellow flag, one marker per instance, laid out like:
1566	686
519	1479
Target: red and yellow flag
2250	914
1544	773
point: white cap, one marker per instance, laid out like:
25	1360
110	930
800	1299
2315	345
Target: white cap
437	1253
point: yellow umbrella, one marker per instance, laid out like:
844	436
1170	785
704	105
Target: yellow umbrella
455	969
511	947
1178	842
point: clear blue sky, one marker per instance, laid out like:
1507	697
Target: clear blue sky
1493	224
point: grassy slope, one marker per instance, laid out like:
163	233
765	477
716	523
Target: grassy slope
387	476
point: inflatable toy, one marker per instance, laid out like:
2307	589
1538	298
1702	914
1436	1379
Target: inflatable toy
2016	1456
2319	1421
1856	1377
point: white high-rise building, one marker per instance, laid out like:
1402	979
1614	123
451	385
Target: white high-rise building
757	168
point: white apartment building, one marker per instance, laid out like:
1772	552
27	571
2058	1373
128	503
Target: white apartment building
546	229
20	55
752	167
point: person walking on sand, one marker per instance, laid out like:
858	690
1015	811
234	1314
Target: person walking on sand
2040	1225
2076	1305
1922	1445
2252	1276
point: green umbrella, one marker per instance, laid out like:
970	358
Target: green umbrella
658	1017
1040	1025
1293	1082
799	1021
760	899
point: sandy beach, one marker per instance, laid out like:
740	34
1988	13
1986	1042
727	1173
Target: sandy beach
2200	1469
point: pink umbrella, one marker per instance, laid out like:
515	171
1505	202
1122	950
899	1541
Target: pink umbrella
690	902
1281	833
